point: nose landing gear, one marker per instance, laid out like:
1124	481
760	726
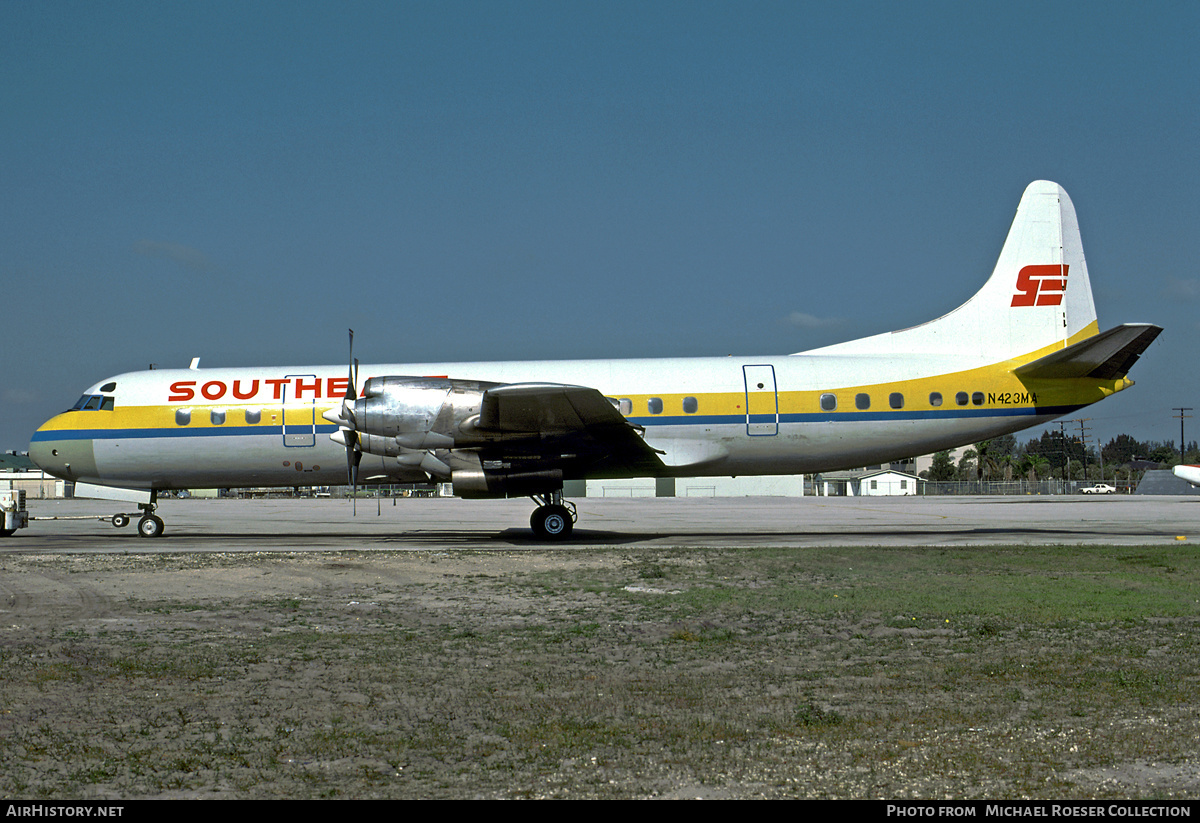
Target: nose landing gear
150	524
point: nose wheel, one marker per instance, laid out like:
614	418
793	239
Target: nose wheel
150	526
554	519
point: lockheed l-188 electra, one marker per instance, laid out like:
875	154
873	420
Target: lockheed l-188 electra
1027	348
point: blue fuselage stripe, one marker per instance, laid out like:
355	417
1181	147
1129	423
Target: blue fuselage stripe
183	431
856	416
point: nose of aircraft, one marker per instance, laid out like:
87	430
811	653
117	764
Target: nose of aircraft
61	451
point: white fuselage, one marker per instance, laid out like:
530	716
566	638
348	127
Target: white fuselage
706	416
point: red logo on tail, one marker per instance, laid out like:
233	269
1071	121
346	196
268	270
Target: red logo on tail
1041	285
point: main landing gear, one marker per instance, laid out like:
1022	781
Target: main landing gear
149	525
554	518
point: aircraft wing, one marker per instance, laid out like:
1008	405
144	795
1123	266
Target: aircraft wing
550	417
1104	356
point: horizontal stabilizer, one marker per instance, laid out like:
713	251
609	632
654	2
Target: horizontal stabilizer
1105	356
1189	473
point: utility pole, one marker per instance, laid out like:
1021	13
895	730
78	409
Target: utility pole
1182	417
1062	443
1083	442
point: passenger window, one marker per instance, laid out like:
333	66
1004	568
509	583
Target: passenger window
977	398
961	398
935	399
655	405
217	416
862	401
626	406
253	415
183	417
828	402
690	405
896	400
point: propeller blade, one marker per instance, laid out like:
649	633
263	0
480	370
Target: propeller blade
352	376
350	426
353	456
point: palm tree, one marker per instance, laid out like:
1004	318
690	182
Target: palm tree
966	464
1037	466
987	465
1008	464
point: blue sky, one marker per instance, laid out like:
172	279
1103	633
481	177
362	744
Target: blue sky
486	180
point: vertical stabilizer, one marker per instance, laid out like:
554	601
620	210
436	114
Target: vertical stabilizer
1039	294
1038	298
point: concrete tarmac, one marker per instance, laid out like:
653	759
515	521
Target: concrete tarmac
284	525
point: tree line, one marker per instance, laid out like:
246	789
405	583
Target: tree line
1062	456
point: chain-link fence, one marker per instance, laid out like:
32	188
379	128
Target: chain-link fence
1018	487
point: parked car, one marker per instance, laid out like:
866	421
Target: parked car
1099	488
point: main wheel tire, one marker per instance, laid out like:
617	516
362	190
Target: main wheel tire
150	526
551	523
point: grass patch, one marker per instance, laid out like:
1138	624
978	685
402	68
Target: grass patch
774	672
1034	584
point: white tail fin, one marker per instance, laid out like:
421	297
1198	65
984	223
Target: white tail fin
1038	298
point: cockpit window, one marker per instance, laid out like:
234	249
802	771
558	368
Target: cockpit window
93	402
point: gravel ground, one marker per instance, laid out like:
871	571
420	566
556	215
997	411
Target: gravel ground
588	673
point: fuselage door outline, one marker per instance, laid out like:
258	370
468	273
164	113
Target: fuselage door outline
762	401
300	420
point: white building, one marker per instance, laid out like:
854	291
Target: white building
887	483
37	484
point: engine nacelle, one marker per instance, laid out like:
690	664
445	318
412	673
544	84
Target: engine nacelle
482	483
415	412
432	425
